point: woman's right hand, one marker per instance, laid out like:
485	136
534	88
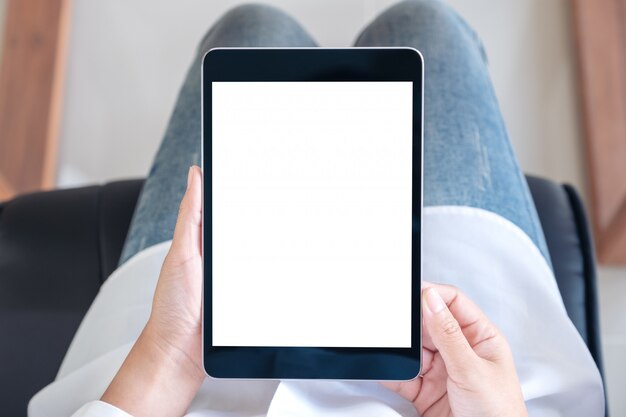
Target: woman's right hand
468	367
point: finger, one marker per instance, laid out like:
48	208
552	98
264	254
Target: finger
434	386
447	335
475	325
409	390
187	234
463	309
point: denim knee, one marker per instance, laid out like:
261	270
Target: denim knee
255	24
257	13
406	22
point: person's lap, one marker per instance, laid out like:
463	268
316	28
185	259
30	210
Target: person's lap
468	159
157	208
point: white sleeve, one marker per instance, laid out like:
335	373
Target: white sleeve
104	338
100	409
497	266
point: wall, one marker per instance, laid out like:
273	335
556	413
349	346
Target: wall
128	59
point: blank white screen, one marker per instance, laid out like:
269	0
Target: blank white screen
311	214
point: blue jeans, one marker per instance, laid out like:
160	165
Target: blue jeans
468	159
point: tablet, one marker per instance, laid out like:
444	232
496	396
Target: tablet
312	201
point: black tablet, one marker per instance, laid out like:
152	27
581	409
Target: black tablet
312	162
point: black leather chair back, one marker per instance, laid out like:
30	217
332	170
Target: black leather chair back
56	249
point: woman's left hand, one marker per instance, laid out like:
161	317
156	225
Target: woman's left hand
163	371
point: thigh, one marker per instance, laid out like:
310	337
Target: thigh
468	158
155	214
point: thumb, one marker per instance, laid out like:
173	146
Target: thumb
447	335
187	234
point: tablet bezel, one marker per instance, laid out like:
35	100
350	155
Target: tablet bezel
313	64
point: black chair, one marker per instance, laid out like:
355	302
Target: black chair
58	247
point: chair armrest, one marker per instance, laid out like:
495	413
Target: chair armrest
56	249
570	244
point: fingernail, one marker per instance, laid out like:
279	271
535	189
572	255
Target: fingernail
434	301
189	176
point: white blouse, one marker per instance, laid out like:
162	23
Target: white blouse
493	261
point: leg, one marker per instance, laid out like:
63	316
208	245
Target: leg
155	215
468	159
